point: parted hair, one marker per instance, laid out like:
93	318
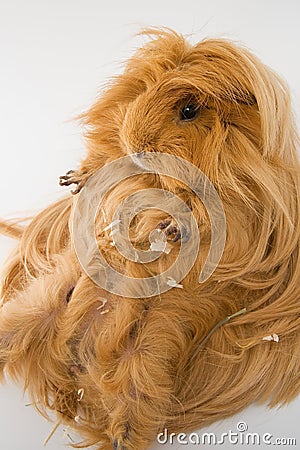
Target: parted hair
120	369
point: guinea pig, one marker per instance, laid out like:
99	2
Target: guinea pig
117	367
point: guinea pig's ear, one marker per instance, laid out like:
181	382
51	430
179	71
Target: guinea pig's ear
245	98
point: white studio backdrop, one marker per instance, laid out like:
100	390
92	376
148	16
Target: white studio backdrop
54	56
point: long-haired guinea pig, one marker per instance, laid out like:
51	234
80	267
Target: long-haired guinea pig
117	367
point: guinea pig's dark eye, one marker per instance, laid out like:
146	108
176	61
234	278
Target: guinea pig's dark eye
189	112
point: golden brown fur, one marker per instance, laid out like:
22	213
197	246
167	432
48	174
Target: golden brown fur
140	363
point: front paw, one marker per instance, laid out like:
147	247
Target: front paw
74	177
172	230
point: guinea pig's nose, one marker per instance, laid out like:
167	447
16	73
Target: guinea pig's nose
139	159
136	154
139	149
137	134
130	150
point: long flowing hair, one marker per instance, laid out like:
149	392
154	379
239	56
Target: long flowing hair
182	359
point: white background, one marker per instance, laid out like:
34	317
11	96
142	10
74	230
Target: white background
54	55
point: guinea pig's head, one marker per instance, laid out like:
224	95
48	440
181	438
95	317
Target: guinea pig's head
212	103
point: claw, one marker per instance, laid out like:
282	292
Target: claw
164	224
77	189
64	183
171	230
73	177
169	227
176	237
